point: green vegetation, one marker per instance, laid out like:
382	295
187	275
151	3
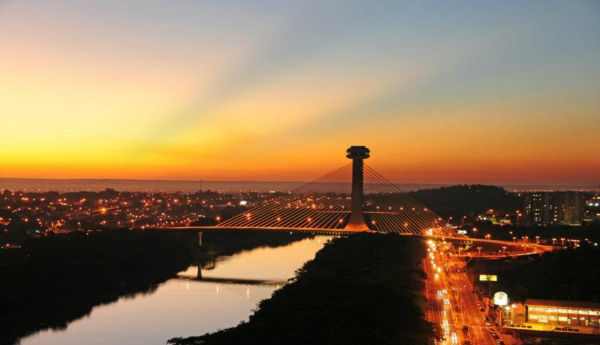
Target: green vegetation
564	275
361	289
54	280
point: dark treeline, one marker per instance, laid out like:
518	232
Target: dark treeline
469	200
54	280
571	274
361	289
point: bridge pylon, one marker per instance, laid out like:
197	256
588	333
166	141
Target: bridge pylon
357	218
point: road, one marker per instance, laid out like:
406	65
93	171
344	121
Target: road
451	304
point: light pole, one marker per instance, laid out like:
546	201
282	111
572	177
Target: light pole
504	249
563	241
554	241
537	239
479	249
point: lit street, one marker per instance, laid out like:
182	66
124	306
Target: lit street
452	305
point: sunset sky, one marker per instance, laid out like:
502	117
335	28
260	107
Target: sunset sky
503	92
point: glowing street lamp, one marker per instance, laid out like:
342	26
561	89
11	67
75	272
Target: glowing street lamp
479	249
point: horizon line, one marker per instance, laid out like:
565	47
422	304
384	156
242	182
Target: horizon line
597	187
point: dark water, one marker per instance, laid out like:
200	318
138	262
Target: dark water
39	185
193	186
185	306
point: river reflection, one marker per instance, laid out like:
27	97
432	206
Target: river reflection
186	306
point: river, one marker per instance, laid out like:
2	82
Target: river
185	306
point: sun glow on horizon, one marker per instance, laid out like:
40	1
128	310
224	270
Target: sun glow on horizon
491	93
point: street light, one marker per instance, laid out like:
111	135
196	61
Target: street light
488	236
537	239
479	249
504	249
553	241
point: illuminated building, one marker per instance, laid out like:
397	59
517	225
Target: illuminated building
562	313
546	208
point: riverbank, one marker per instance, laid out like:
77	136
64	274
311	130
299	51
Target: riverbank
52	281
361	289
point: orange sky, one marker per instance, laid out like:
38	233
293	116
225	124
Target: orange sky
493	93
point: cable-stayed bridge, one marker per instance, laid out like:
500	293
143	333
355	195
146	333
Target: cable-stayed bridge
353	198
325	205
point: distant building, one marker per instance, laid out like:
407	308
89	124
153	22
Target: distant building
563	313
592	212
546	208
58	231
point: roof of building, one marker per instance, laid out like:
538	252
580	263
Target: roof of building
568	304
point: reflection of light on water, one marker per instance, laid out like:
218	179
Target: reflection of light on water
210	304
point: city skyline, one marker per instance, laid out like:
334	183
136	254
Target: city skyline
496	93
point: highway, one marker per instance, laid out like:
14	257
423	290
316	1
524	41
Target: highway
451	304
